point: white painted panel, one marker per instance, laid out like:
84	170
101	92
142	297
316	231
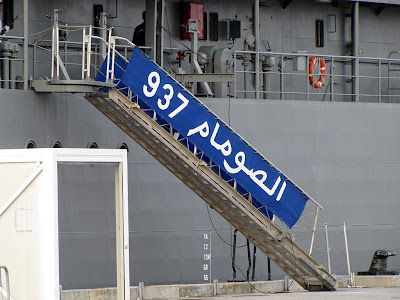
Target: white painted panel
19	231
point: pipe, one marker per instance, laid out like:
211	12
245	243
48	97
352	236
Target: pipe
356	47
314	231
5	65
26	34
246	65
266	83
151	28
328	250
160	35
13	56
267	64
194	45
253	272
257	36
248	260
103	34
347	248
234	255
12	49
246	68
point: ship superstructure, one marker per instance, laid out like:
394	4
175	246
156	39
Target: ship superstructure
336	139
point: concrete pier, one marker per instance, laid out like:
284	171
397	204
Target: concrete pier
365	287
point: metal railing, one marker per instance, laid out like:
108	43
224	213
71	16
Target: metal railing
286	76
86	51
79	58
67	50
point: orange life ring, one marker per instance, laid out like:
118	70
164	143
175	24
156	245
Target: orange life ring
311	68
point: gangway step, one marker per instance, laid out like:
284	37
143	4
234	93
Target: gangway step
211	159
214	190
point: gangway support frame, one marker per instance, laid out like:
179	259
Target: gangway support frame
198	176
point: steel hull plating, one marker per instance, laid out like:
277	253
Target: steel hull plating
343	154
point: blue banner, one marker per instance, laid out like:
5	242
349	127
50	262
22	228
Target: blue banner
271	191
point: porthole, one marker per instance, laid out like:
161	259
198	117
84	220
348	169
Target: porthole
93	145
56	144
30	144
123	146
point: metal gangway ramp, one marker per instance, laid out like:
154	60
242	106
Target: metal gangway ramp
194	166
200	149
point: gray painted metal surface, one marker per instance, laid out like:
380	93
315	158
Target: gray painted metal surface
343	154
346	155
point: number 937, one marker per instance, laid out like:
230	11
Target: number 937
149	90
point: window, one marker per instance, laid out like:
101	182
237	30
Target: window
319	33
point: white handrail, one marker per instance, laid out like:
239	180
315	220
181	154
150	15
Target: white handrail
281	72
89	53
85	51
108	57
57	38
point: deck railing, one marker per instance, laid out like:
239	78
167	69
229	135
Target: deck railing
286	76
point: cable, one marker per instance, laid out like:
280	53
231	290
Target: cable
166	16
208	211
252	285
326	90
40	47
236	247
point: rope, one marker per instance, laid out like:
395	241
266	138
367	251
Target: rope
40	47
40	32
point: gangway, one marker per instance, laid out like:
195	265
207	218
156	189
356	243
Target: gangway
207	155
193	165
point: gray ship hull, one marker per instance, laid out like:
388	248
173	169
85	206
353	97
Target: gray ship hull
343	154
